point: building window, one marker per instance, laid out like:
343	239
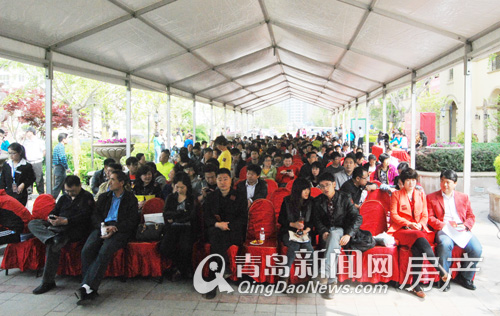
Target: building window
4	79
450	75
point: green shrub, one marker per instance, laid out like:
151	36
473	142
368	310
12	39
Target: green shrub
497	168
461	138
483	157
143	148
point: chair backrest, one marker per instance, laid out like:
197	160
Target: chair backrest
243	173
374	217
277	199
43	205
153	206
315	192
271	187
261	214
372	176
289	185
381	196
236	183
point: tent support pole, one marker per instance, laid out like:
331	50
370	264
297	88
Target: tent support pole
384	112
194	119
169	124
128	122
49	76
468	119
413	132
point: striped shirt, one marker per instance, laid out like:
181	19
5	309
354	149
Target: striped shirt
59	156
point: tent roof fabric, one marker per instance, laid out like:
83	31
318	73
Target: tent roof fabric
249	54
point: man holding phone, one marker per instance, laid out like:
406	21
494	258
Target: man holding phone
68	221
287	172
448	206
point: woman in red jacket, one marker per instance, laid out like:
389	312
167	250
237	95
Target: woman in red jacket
409	225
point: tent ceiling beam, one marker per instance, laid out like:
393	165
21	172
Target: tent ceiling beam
250	107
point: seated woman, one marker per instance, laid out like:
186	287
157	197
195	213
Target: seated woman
409	225
316	170
372	164
268	170
17	174
145	187
296	219
385	172
179	215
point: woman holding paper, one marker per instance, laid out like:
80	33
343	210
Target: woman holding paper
179	215
409	225
296	220
145	187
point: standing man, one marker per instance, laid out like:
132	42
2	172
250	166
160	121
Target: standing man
35	152
69	221
60	164
361	137
337	220
118	210
452	209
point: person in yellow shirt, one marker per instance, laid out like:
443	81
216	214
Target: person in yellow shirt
164	166
225	157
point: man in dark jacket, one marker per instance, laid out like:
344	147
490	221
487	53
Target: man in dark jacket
101	176
68	221
114	222
225	215
357	184
254	187
336	220
306	170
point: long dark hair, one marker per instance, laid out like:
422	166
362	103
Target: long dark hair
18	148
296	201
184	178
142	171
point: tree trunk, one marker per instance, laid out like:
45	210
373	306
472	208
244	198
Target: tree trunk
76	139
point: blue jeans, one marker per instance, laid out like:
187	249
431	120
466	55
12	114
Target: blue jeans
445	246
60	176
157	154
332	243
293	247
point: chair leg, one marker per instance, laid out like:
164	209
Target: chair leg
6	272
158	280
123	279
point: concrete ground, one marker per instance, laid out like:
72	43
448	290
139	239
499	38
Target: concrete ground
143	296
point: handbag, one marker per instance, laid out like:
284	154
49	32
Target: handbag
149	231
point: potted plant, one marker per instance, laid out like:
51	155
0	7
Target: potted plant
114	148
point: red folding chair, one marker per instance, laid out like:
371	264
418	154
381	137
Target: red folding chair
260	215
271	187
289	185
243	173
277	199
29	254
142	258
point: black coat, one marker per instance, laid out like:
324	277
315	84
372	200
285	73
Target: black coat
345	216
78	212
24	174
128	212
289	215
97	179
260	189
232	208
153	188
187	215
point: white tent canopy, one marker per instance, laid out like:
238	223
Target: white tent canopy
249	54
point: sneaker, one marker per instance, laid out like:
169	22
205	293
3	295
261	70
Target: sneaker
44	287
83	297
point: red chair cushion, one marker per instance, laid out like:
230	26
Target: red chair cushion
261	214
243	173
26	255
44	204
289	185
153	206
374	217
143	259
271	187
315	192
277	199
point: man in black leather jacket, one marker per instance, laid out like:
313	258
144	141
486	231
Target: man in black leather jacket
336	220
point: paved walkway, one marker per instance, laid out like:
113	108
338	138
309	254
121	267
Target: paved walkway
145	297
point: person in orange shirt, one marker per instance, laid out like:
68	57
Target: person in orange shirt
409	226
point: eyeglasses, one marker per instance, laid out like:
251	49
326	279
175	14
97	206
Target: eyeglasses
324	186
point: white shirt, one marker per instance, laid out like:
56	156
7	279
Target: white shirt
34	149
404	143
250	190
450	209
361	134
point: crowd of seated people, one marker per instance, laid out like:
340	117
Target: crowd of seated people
210	179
